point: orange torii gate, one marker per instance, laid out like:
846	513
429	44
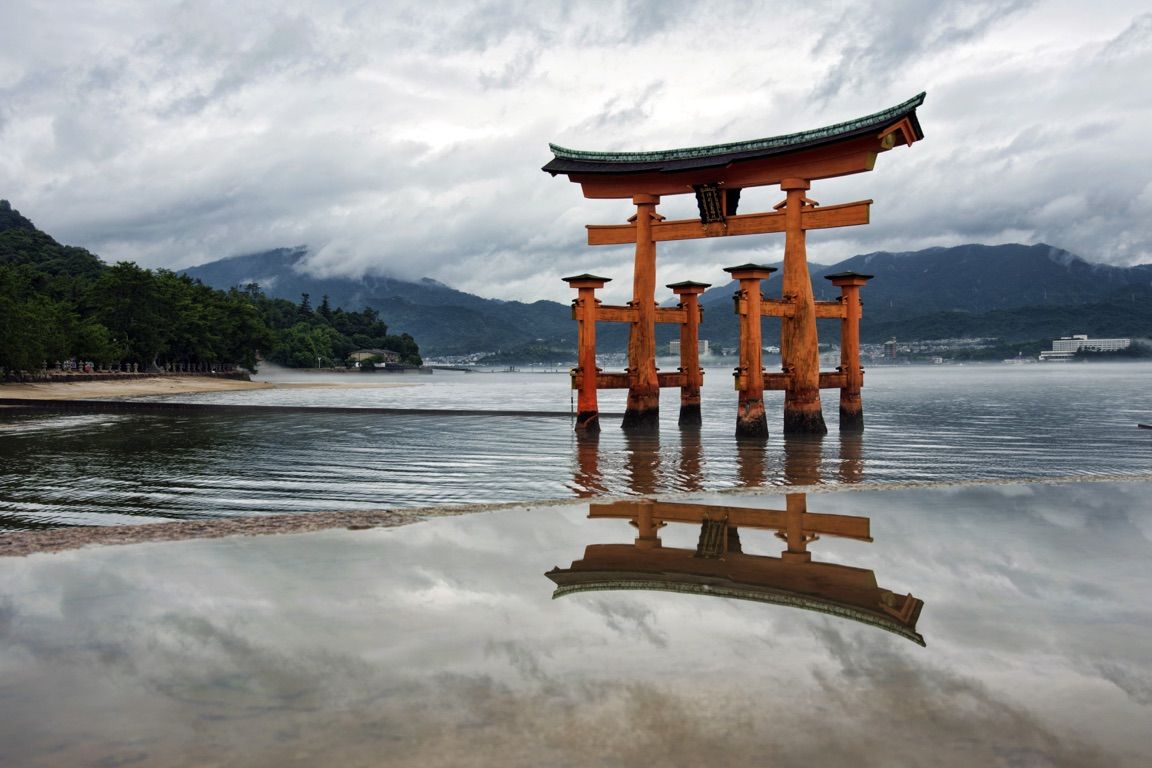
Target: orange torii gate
716	175
719	566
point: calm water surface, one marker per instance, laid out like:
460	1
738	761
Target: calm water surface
442	643
923	424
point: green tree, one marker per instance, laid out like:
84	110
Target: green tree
126	300
31	334
303	345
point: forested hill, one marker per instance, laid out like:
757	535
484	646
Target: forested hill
22	243
1016	292
445	320
59	303
975	278
1013	292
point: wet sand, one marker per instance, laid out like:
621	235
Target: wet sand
158	385
164	385
21	543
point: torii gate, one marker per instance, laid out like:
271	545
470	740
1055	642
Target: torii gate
719	566
716	175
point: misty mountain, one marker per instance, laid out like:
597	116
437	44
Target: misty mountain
1017	292
443	320
22	243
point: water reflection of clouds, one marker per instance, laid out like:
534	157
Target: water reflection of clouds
722	565
314	645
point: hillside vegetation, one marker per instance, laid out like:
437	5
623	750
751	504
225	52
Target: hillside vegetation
60	303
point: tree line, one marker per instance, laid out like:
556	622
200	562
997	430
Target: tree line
60	303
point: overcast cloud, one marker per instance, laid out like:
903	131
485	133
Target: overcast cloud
407	138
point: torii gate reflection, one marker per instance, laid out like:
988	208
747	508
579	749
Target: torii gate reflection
652	466
719	567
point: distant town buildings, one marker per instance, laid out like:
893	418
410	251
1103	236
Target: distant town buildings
383	355
703	348
1066	347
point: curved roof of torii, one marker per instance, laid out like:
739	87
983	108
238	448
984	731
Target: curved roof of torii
831	588
577	161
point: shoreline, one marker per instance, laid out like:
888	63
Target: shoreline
133	387
22	543
163	385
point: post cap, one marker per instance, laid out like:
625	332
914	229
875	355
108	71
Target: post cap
586	281
848	278
688	286
750	271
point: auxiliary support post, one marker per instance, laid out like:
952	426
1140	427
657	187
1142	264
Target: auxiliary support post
750	418
584	375
851	409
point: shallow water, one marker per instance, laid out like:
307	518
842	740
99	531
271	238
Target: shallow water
924	424
441	643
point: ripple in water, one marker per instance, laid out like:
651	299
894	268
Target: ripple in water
941	424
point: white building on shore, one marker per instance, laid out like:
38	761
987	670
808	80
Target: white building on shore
1066	347
703	350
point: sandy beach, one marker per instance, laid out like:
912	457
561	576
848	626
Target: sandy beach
159	385
167	385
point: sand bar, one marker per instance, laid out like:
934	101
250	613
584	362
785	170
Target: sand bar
165	385
20	543
155	385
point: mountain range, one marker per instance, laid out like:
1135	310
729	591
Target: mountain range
1013	292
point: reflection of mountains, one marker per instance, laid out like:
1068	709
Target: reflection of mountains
719	567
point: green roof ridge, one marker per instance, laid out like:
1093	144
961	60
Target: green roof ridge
770	142
770	595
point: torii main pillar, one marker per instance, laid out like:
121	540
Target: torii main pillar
716	175
799	346
643	410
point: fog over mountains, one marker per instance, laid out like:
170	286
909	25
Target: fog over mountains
1015	292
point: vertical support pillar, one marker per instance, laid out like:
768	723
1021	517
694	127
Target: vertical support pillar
750	462
643	410
689	295
588	479
690	461
851	409
750	418
851	468
803	459
647	526
642	461
799	349
584	375
793	533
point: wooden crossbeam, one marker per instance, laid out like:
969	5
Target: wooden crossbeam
846	526
614	313
778	382
831	309
777	308
623	380
823	217
787	308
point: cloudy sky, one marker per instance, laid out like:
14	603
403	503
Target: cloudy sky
406	138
